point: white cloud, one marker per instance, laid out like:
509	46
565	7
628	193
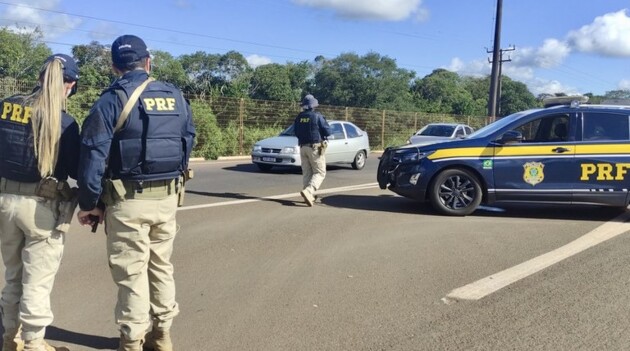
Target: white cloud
53	25
385	10
624	84
551	54
184	4
607	35
256	60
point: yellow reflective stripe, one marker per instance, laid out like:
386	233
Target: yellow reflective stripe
532	150
603	149
538	150
462	152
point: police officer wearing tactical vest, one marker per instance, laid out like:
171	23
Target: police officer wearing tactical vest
39	145
135	147
312	131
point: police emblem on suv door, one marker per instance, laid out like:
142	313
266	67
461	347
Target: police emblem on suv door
533	173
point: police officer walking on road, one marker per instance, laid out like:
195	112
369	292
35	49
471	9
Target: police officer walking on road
39	145
312	131
135	147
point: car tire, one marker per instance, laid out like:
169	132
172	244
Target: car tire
359	160
264	167
455	192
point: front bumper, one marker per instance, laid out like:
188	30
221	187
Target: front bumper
407	180
275	159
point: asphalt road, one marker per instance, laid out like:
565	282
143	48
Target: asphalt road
363	270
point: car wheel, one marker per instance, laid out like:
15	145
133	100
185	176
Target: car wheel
455	192
264	167
359	160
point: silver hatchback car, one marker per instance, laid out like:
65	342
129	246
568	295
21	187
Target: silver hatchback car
347	144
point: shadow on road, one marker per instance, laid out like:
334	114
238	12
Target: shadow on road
252	168
240	196
396	204
59	336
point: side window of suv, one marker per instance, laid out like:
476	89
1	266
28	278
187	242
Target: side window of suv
606	126
553	128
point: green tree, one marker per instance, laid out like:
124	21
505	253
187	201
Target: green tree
515	97
443	91
272	82
21	54
166	68
95	64
371	81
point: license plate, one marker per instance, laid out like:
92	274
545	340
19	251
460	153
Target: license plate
269	159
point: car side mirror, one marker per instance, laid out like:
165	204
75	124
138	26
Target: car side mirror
511	136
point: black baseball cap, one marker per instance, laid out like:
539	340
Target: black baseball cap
70	67
128	48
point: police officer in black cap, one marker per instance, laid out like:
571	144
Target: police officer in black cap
312	131
135	147
39	145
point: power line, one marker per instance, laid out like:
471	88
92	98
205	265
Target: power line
160	29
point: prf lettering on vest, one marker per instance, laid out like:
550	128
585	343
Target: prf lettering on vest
159	104
16	113
604	171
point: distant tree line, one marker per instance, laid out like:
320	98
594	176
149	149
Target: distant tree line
368	81
371	81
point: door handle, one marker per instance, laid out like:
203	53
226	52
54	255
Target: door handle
560	150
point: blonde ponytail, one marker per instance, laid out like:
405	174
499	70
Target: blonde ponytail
47	103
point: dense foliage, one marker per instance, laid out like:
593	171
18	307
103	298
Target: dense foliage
366	82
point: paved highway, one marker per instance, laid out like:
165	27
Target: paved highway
365	270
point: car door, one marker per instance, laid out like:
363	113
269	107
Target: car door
337	143
603	154
542	167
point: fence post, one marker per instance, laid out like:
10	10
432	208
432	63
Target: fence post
415	122
346	113
241	107
383	132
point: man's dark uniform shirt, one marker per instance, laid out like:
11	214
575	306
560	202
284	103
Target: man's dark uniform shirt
154	143
311	127
17	153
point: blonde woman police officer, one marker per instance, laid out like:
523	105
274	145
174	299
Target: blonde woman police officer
39	145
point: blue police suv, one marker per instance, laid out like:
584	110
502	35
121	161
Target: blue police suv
568	153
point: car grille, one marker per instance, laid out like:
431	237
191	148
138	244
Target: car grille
269	150
385	167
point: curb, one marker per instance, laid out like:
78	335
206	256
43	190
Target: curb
248	157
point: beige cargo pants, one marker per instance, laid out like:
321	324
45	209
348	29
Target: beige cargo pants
140	235
313	168
31	251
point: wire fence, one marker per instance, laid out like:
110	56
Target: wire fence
249	120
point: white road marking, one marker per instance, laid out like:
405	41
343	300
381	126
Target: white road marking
283	196
490	284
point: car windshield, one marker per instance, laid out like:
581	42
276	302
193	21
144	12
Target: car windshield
437	130
288	132
499	124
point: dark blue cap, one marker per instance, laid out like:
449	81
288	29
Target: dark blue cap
309	102
128	48
70	67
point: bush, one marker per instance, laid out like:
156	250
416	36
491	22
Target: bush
209	141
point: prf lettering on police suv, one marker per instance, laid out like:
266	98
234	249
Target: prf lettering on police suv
566	153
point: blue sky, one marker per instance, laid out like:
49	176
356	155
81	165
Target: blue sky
574	46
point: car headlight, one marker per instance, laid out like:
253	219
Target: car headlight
289	150
411	155
257	148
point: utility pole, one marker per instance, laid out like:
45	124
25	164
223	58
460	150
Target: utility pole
494	76
498	89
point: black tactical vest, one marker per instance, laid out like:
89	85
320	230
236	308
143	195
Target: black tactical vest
150	144
17	154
